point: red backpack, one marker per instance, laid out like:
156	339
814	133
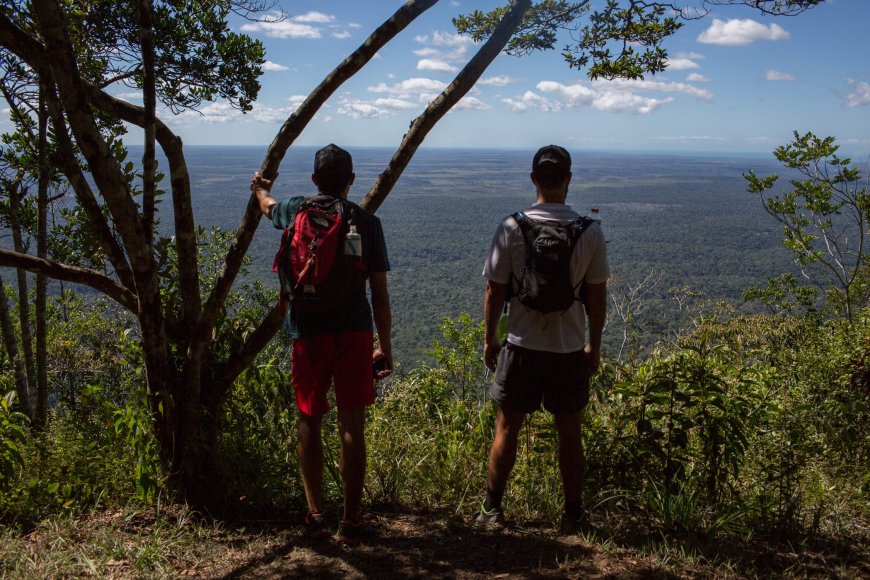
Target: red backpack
319	267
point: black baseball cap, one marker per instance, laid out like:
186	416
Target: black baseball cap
553	157
333	167
551	165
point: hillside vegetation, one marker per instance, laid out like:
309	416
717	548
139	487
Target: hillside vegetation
731	444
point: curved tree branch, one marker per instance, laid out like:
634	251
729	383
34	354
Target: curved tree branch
257	341
443	103
58	271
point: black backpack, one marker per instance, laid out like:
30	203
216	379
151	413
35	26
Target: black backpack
319	271
546	283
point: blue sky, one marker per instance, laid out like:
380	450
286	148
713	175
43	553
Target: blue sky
738	82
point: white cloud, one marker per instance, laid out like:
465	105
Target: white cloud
313	18
496	81
342	35
696	78
689	55
433	65
354	25
130	96
269	65
609	96
626	85
451	46
301	26
532	100
468	103
413	86
775	75
362	110
740	32
427	51
682	64
222	112
858	96
394	103
283	29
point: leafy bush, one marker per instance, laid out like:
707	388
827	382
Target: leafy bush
12	439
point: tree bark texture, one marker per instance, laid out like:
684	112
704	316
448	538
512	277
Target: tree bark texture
10	342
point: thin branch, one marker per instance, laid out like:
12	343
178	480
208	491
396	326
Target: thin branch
439	107
58	271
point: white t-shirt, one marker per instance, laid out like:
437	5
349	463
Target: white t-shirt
556	331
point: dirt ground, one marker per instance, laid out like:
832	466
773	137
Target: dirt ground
413	545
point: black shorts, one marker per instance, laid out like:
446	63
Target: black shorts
524	378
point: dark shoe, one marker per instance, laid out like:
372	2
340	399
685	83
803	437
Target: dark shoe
351	532
574	523
489	519
315	527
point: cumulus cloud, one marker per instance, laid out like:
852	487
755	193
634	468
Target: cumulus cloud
858	96
496	81
375	109
740	32
776	75
468	103
222	112
362	110
682	64
696	78
616	96
627	85
445	46
435	65
130	96
340	35
269	65
413	86
301	26
689	55
531	100
313	18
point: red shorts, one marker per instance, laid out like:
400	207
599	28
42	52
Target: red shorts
345	359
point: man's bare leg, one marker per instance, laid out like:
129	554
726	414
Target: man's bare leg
503	454
351	426
310	449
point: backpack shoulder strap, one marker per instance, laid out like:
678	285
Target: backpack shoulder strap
577	227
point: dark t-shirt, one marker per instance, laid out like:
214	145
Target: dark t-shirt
356	314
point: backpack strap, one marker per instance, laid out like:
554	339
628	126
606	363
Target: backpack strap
523	221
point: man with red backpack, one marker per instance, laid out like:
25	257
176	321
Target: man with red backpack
330	248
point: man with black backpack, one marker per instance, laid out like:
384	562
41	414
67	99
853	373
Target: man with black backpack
329	249
548	263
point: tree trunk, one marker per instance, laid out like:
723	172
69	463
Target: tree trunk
15	195
41	407
10	341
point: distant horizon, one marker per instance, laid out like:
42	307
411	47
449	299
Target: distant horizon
645	152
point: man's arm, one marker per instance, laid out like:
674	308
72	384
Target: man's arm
383	320
261	188
596	308
493	304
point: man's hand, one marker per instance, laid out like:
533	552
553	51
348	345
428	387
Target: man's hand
490	354
593	358
261	187
259	182
382	363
